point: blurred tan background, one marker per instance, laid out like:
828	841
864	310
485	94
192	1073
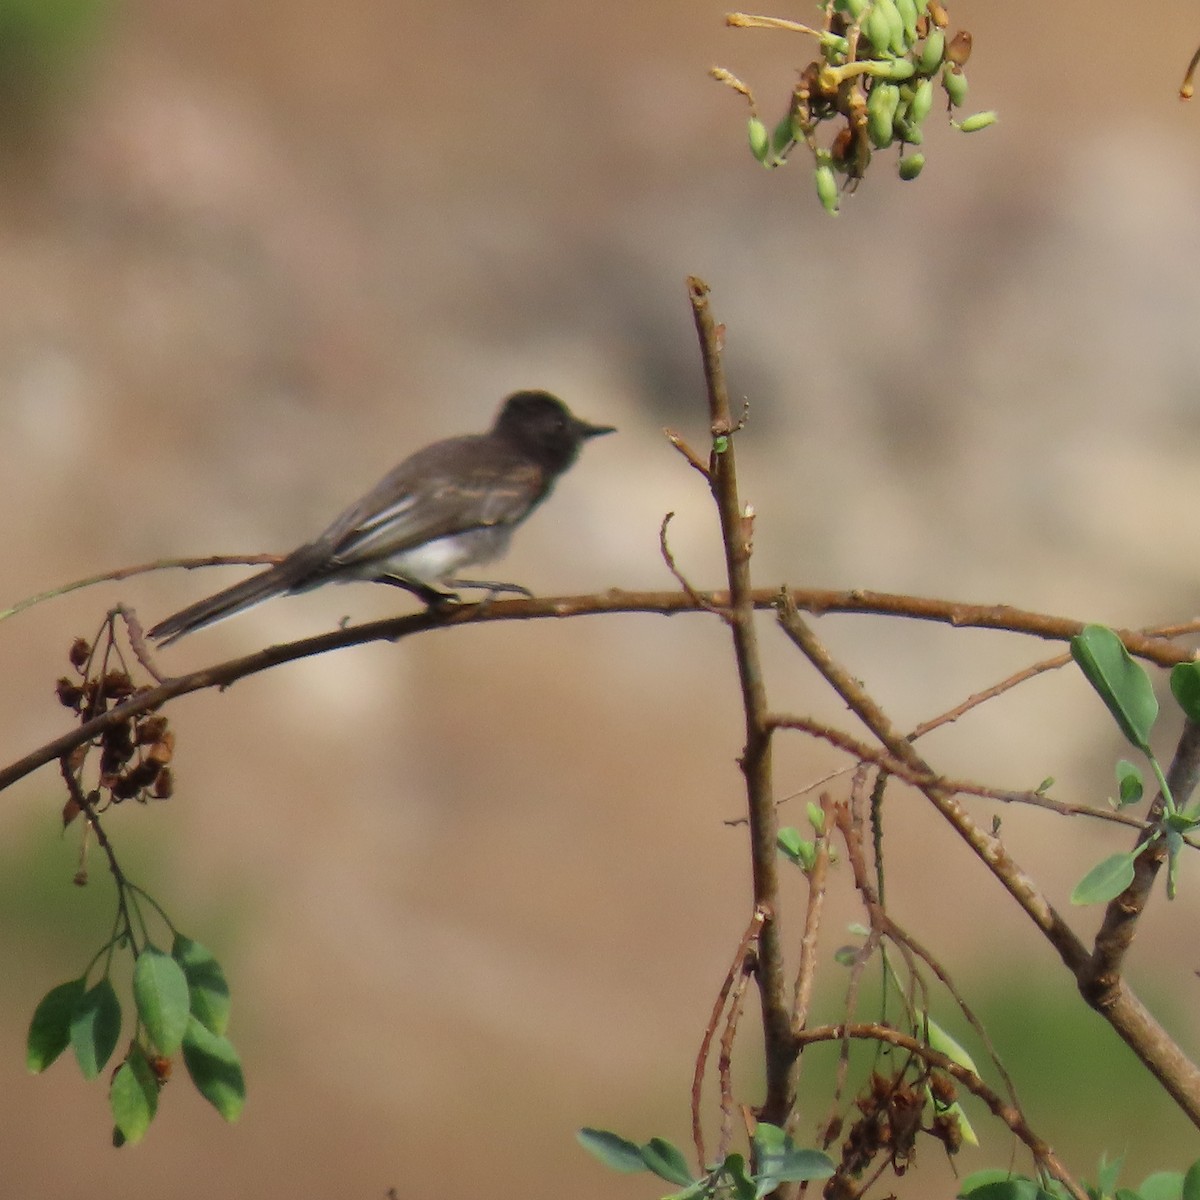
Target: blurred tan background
475	890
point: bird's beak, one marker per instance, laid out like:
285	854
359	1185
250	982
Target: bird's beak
586	430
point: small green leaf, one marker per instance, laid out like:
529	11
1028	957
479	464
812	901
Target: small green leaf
1129	784
734	1169
50	1028
612	1150
816	817
779	1161
702	1189
799	850
1162	1185
133	1096
1108	1172
1105	881
1120	682
207	990
1191	1182
1045	785
1007	1189
760	140
1185	687
215	1068
943	1043
160	991
95	1027
846	956
667	1162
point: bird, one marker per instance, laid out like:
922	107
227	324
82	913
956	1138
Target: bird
451	505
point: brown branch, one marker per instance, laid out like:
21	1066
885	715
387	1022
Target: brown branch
1008	1113
1122	914
736	534
1128	1016
958	787
806	972
1151	646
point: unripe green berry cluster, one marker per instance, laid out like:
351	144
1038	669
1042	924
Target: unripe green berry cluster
882	66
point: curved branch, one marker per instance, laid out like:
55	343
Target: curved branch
1151	645
1006	1112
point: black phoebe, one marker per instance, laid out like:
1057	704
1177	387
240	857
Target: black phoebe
452	505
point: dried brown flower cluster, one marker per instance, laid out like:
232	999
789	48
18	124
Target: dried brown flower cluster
893	1112
134	754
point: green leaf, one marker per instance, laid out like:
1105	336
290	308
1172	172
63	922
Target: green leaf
1129	784
1016	1188
50	1028
1105	881
1191	1182
943	1043
667	1162
1108	1172
1185	687
1120	682
133	1096
793	846
795	1166
779	1161
1162	1185
160	991
215	1068
207	990
95	1027
816	817
612	1150
734	1168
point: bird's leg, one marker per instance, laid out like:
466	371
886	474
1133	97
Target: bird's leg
434	597
493	589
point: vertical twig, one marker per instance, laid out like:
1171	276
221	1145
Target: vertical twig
736	528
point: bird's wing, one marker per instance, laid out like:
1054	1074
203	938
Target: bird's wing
451	487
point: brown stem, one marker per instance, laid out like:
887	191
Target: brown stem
1006	1112
736	534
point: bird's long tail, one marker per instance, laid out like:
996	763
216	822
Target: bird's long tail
278	580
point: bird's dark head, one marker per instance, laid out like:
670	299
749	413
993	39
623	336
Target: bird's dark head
545	428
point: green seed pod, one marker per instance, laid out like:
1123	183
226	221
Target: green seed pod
955	83
909	132
855	8
932	52
911	166
834	46
760	142
878	28
908	14
881	113
978	121
897	41
827	188
921	103
783	137
898	69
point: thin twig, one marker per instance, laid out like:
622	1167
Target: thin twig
693	459
162	564
683	581
741	961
